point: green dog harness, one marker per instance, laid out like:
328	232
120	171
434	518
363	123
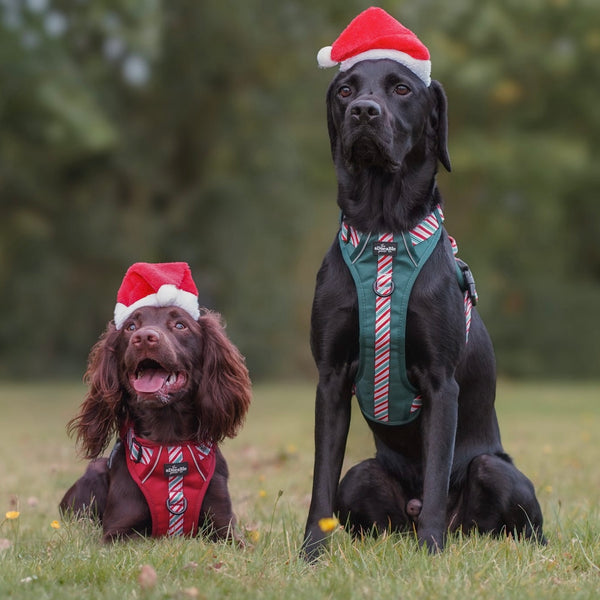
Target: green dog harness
384	268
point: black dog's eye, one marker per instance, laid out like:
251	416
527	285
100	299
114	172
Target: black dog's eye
345	91
401	89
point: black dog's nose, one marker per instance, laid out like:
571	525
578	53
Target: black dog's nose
145	336
365	110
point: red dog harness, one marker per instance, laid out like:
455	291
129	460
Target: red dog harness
173	479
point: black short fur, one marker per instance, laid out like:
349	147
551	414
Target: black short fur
446	470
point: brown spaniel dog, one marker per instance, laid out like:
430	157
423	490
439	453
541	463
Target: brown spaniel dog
168	382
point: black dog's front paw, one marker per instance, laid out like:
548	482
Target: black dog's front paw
432	539
314	544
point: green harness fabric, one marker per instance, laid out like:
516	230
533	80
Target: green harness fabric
384	268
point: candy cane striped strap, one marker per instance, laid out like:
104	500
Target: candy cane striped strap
423	231
138	452
384	286
426	228
176	501
468	302
468	310
349	234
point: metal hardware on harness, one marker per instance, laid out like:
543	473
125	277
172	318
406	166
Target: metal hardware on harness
384	294
138	450
468	281
179	512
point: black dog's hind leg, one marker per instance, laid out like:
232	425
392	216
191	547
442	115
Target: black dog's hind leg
499	498
370	500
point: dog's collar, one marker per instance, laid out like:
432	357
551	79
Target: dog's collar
422	232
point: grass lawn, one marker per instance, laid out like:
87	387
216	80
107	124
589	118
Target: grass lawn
551	430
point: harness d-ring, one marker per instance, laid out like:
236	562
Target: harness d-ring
176	512
382	294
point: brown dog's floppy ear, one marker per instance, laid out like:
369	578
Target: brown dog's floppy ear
224	389
442	123
99	414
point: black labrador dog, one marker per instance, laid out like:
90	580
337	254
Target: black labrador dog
446	470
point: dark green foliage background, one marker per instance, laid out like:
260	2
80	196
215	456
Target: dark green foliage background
184	130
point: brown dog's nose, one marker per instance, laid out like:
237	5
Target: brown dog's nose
365	110
146	337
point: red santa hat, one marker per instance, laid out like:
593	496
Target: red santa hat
373	35
158	284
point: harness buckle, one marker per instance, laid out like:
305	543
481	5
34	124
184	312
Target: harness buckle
136	450
174	511
468	281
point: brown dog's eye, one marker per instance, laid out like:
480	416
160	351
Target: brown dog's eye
179	325
130	327
344	91
402	90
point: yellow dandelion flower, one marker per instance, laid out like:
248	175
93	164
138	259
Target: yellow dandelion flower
12	514
55	525
253	535
262	494
328	524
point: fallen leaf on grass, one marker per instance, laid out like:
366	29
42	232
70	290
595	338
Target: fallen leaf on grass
147	577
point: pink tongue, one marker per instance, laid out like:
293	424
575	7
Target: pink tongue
150	381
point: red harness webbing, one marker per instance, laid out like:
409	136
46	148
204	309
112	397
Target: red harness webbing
173	479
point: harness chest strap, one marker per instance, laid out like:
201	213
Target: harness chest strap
173	479
384	268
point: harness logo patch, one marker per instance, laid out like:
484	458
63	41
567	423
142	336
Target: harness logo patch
385	248
176	469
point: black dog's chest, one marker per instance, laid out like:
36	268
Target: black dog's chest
384	268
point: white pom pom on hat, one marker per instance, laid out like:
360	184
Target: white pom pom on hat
374	35
324	58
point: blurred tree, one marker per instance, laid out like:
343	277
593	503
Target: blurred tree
183	130
525	141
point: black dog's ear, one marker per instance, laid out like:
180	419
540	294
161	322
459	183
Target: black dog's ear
331	128
441	126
